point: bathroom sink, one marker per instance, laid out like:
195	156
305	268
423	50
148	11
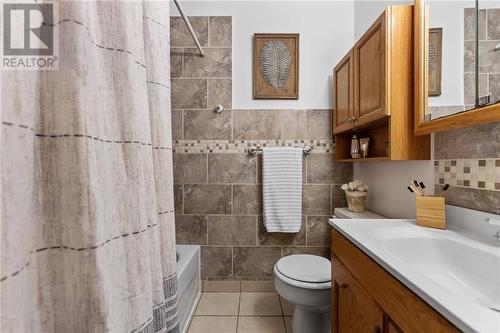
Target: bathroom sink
457	274
467	268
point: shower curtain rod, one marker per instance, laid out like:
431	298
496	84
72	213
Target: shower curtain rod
190	28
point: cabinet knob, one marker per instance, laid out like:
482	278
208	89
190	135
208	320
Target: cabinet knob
376	329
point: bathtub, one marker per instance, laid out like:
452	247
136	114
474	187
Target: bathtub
189	283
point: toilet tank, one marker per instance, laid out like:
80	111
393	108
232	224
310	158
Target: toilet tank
344	213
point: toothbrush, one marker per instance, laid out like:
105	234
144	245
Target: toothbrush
445	188
417	188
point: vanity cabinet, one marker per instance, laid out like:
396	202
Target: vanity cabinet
356	310
366	298
373	92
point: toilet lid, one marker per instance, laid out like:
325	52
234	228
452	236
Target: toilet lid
305	268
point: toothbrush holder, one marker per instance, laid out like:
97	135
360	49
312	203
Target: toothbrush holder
431	212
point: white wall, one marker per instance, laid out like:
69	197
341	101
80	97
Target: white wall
326	34
387	181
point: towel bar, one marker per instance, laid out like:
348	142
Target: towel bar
253	150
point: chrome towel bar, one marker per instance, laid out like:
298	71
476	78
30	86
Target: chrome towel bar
254	150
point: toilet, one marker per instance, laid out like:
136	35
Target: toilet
304	281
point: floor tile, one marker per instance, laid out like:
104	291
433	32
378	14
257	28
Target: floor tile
288	324
207	324
218	304
261	325
259	303
257	286
287	307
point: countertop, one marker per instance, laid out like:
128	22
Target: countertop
465	313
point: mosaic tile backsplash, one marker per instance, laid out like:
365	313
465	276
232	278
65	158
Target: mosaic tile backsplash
469	173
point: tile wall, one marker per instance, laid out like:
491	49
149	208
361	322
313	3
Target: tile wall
217	185
489	59
469	160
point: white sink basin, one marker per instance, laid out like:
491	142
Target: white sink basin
457	275
467	268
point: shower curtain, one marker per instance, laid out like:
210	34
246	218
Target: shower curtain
87	229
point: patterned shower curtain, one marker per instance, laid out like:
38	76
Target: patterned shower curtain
87	229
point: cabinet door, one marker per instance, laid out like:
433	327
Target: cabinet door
370	74
343	94
353	308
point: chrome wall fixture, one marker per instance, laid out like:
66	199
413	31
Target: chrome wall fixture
254	150
190	28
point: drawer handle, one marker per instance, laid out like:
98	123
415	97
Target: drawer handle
344	285
376	329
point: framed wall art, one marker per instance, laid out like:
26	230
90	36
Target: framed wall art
275	66
435	52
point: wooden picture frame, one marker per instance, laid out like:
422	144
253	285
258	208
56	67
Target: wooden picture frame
435	60
267	84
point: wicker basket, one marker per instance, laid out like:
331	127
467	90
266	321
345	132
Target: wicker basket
356	201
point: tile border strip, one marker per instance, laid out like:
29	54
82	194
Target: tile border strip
480	173
324	146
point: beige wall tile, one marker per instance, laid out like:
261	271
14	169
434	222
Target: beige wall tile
471	142
222	286
179	34
177	124
317	251
338	197
175	62
207	199
189	93
232	168
215	63
306	124
470	24
494	23
220	92
247	199
207	125
232	230
259	286
255	261
316	200
318	231
178	199
281	238
215	261
191	229
190	168
322	168
257	124
220	31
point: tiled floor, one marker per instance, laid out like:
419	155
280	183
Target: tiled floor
242	312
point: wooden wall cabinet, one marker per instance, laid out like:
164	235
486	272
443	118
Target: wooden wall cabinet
373	92
366	298
343	75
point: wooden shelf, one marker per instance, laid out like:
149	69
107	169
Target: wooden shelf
368	159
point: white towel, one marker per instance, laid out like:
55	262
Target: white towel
282	189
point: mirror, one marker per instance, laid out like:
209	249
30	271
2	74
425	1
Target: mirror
458	59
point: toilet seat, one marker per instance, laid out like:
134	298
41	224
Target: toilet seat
304	271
